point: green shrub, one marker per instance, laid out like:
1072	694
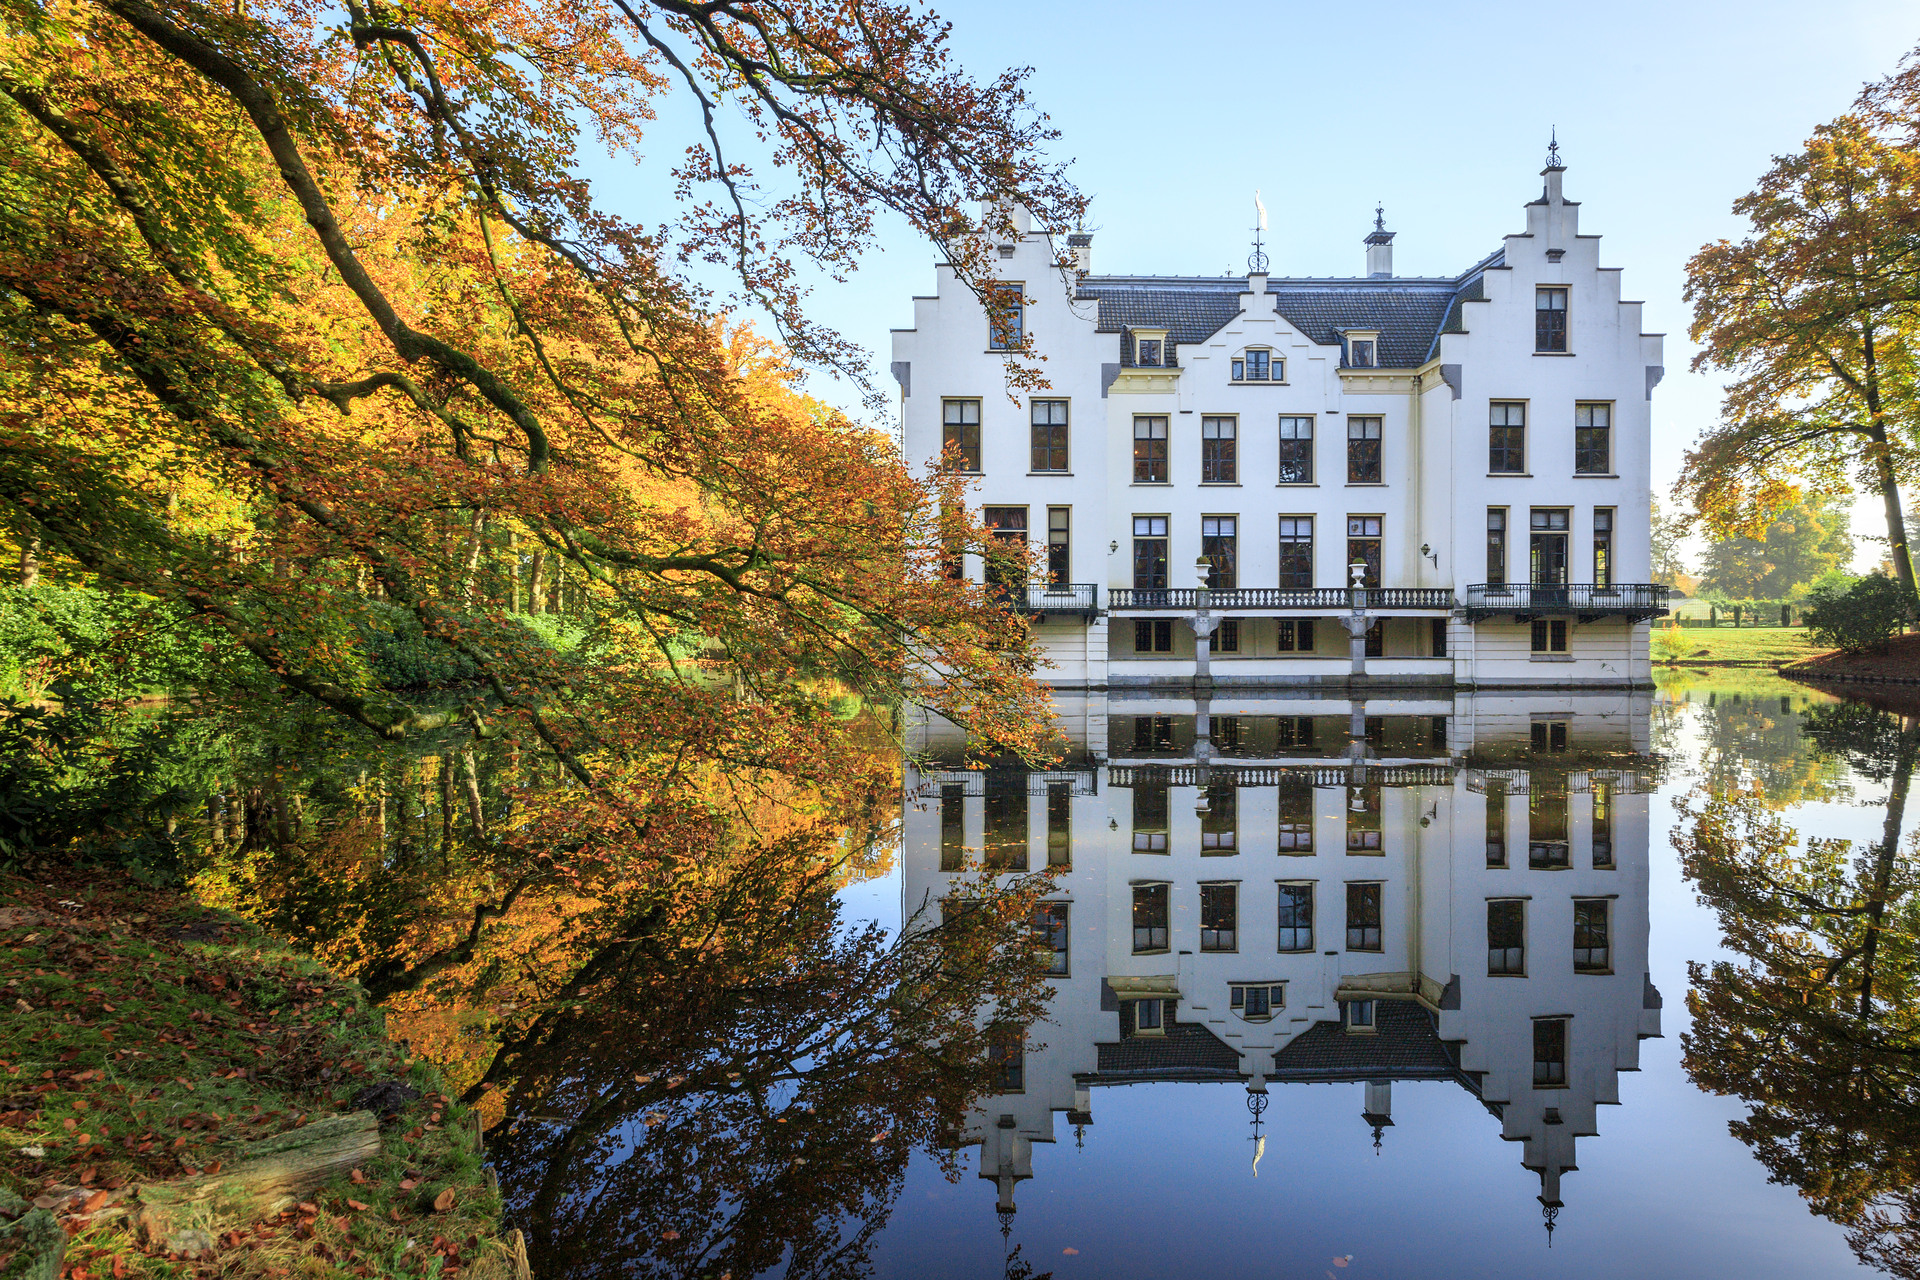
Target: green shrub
105	644
1868	613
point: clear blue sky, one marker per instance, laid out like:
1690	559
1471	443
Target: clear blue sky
1173	115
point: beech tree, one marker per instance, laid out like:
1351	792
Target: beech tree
306	314
1815	312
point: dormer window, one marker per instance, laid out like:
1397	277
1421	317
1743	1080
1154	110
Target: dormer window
1363	350
1257	1003
1257	364
1146	351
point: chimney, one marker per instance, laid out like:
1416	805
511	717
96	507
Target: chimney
1080	244
1379	244
1555	167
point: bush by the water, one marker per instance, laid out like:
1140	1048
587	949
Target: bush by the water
1869	612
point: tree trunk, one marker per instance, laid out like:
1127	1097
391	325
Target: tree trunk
476	808
537	583
1896	517
1883	862
30	562
267	1177
475	539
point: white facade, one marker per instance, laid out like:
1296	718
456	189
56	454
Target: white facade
1446	805
1168	422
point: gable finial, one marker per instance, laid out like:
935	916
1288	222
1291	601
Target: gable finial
1257	260
1380	216
1553	150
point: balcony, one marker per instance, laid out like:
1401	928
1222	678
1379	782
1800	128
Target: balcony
1321	599
1078	599
1632	601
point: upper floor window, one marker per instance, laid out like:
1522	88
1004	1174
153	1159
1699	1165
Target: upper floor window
1550	319
1296	556
1363	917
1220	544
1592	950
1506	937
1550	1053
1257	1002
1007	316
1296	917
1049	925
1296	451
1363	548
1219	452
1496	546
1146	351
1360	353
1219	917
1007	1051
1006	565
1150	553
1150	450
1363	451
1603	546
1259	365
1593	439
960	429
1049	435
1507	437
1150	917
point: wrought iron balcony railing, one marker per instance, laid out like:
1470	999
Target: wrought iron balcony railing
1633	600
1042	598
1323	598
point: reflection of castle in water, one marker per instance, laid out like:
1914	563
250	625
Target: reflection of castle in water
1269	890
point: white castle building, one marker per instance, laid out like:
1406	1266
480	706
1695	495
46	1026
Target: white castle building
1272	889
1381	480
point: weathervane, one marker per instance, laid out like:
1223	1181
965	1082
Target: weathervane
1257	261
1553	149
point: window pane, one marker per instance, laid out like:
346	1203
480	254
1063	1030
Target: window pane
1049	435
1296	451
1296	917
1150	917
1219	916
1363	917
1506	937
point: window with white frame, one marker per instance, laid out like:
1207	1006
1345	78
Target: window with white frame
1257	1001
1257	364
1296	450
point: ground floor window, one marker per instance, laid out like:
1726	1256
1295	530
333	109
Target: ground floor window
1550	635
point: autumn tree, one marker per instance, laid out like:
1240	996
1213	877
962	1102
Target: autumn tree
1669	530
1815	1023
1814	312
1803	540
311	333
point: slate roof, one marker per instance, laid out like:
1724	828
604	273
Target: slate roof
1405	1045
1409	313
1188	1051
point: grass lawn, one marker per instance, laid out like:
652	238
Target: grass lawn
144	1043
1755	646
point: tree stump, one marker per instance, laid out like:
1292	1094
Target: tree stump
265	1178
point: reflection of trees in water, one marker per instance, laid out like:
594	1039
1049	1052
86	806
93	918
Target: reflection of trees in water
1752	740
704	1067
1818	1026
747	1100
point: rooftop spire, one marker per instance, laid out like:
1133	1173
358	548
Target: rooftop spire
1553	150
1257	260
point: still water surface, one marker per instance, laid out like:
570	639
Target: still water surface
1471	931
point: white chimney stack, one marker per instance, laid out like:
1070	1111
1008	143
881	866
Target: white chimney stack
1379	244
1080	244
